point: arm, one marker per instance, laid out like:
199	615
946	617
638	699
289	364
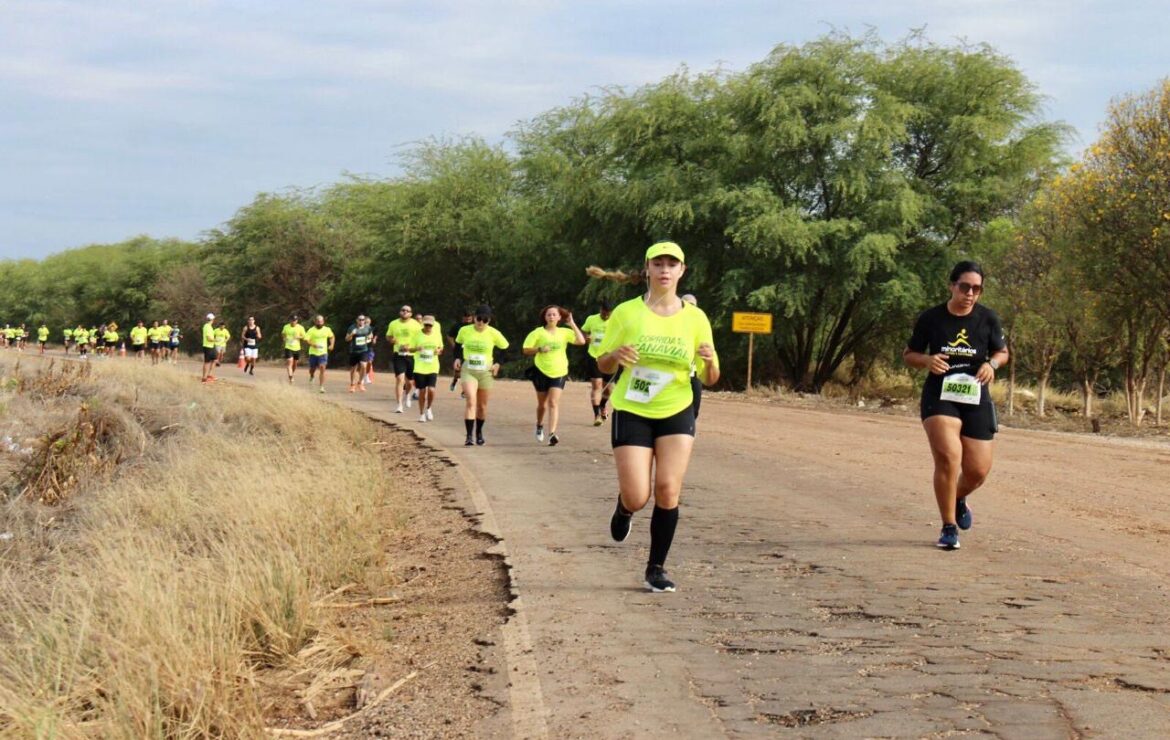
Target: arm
578	337
986	372
710	372
936	364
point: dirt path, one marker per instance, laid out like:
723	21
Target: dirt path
812	602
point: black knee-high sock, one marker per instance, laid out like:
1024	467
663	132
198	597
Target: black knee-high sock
596	410
479	426
662	525
469	424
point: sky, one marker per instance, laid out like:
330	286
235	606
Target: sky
120	118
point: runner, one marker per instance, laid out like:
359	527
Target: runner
99	337
67	332
320	340
111	337
400	331
467	320
548	346
358	336
476	345
427	346
655	339
291	334
600	384
21	337
250	337
156	337
42	336
222	336
961	344
210	355
370	342
138	339
173	341
81	336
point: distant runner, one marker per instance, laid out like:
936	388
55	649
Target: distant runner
291	335
961	344
156	339
222	337
250	337
476	345
399	333
358	336
427	346
176	338
67	333
42	337
548	346
138	336
210	354
81	337
655	338
600	384
320	340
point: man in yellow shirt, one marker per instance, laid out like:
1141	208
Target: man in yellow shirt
209	353
399	332
320	340
291	334
138	339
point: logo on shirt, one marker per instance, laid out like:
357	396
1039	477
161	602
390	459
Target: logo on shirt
960	345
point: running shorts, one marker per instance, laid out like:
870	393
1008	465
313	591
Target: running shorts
630	429
483	378
979	421
594	371
138	347
318	361
404	365
356	358
210	354
153	345
543	383
251	353
174	345
292	354
426	380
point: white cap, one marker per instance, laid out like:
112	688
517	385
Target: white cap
210	316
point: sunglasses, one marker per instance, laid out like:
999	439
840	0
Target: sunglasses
481	318
971	288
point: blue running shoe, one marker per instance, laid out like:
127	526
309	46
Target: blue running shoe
949	539
963	514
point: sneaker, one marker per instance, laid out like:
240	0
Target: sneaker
414	394
963	513
949	539
467	442
422	417
321	389
430	414
479	440
597	420
407	400
399	409
619	523
657	581
552	440
539	434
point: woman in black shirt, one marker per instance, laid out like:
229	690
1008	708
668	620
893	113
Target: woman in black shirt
961	344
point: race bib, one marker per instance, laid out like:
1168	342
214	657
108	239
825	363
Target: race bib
426	355
477	362
359	340
251	342
961	388
645	384
320	346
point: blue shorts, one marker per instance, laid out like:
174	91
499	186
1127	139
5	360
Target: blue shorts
316	361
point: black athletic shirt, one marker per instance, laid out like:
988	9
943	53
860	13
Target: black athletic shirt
969	341
250	337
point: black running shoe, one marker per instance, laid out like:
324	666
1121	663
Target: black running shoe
467	442
480	441
619	523
657	581
963	514
552	440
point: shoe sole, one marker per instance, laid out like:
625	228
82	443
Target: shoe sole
941	546
656	590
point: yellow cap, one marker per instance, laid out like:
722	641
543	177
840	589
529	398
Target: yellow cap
667	249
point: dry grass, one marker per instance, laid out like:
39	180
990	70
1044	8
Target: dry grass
162	547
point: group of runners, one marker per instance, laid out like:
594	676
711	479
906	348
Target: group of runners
104	340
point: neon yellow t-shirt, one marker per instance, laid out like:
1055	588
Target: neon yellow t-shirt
222	335
318	338
156	334
43	334
478	346
292	336
138	335
208	336
426	358
594	327
10	333
81	336
68	334
553	362
660	384
402	332
111	337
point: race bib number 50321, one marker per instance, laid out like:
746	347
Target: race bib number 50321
961	388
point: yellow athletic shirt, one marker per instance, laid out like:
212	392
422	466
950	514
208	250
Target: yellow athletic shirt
292	336
555	361
478	346
318	338
426	359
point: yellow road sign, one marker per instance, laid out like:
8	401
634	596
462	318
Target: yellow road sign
751	323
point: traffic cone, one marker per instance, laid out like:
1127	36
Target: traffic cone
122	349
240	363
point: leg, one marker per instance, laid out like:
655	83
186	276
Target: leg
554	402
672	456
470	392
541	404
945	446
976	464
633	470
399	383
481	404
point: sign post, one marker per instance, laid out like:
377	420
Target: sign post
751	324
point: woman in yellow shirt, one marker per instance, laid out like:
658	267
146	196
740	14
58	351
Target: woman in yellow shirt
475	345
655	339
548	346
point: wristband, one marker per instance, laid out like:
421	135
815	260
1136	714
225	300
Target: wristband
993	363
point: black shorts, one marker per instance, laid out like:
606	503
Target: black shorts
357	358
426	380
543	383
594	371
979	422
630	429
139	347
101	343
292	354
404	365
153	345
210	354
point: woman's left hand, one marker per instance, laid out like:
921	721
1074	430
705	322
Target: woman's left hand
495	369
985	374
706	352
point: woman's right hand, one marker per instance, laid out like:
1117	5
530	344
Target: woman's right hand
938	364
